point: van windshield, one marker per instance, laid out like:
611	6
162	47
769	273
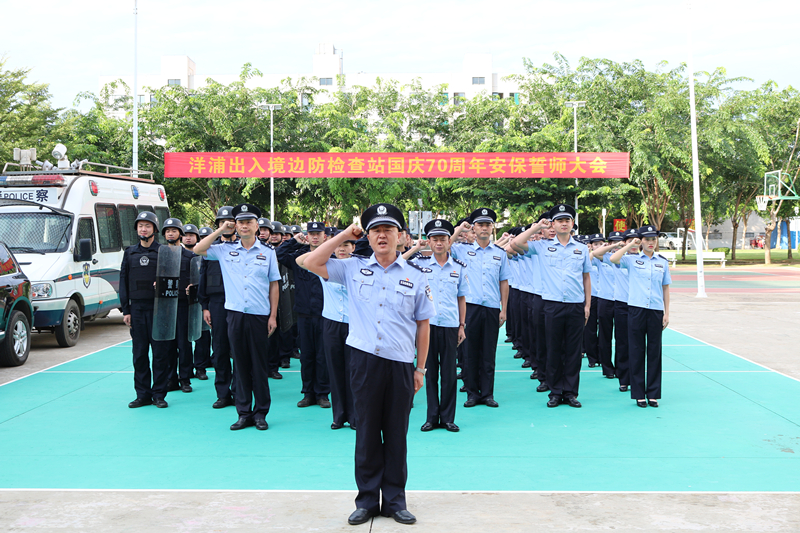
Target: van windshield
35	232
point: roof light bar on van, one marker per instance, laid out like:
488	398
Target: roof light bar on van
46	180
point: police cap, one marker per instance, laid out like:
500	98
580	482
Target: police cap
245	211
314	226
647	231
172	223
225	213
191	228
631	233
439	226
515	231
147	216
378	214
544	216
615	236
562	211
465	219
482	214
596	237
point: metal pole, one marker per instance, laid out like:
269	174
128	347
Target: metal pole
575	127
271	172
698	220
135	89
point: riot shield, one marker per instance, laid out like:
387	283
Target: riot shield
165	311
286	317
195	309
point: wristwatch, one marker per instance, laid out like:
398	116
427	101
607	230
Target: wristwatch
422	371
463	324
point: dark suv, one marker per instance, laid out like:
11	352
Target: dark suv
15	311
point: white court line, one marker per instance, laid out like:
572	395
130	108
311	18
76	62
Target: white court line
117	372
739	356
353	491
670	371
59	364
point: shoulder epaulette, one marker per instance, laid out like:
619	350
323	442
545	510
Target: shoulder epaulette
662	257
419	256
359	256
460	262
421	269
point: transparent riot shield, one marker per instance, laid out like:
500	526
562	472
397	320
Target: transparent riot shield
165	311
286	317
195	310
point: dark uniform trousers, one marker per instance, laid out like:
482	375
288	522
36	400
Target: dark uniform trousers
590	334
644	342
483	327
181	356
441	361
540	337
202	351
512	329
221	358
621	342
287	341
526	330
605	322
337	356
383	391
563	327
313	368
142	340
246	335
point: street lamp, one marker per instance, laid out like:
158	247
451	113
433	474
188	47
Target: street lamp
272	108
575	105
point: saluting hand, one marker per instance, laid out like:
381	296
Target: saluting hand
353	232
300	238
466	226
228	225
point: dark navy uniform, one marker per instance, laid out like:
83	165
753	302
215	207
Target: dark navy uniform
212	298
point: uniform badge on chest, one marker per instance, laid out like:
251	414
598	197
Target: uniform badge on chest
406	283
233	253
639	262
551	249
144	261
454	274
366	272
262	257
496	257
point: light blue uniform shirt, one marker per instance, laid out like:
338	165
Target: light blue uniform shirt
513	274
447	282
605	278
562	269
385	304
525	266
486	268
335	303
594	274
536	269
246	274
620	280
646	278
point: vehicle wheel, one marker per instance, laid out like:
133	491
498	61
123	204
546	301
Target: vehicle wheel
17	345
69	330
672	246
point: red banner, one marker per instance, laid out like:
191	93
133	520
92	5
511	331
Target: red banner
620	224
396	165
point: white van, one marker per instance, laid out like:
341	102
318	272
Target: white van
68	229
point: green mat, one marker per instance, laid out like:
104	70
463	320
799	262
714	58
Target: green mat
724	424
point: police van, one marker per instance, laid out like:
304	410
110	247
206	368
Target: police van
68	227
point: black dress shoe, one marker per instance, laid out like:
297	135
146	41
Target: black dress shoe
360	516
404	517
449	426
305	402
185	387
459	376
353	427
652	403
609	376
572	402
201	374
222	402
427	426
161	403
535	374
641	403
295	354
275	375
543	387
508	339
623	388
139	402
491	403
470	403
518	355
462	389
285	363
336	426
526	364
242	423
554	402
261	424
324	403
592	365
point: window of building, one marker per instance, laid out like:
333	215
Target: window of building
152	99
108	227
497	96
305	101
445	97
326	81
86	231
458	98
515	97
174	82
479	81
127	224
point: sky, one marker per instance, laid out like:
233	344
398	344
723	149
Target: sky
70	43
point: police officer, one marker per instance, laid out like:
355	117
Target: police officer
137	294
212	298
308	304
606	278
447	278
648	313
286	339
202	346
547	233
567	293
590	338
513	329
181	353
250	271
487	301
526	331
276	237
390	307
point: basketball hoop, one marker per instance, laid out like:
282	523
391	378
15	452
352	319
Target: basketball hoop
761	202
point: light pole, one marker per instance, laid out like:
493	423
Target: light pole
135	90
604	222
272	108
575	105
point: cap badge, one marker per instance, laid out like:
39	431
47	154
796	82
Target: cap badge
244	208
381	210
484	212
169	221
438	224
224	211
143	215
561	208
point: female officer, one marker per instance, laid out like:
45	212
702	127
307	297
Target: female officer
648	313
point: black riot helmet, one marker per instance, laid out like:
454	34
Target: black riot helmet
225	213
172	223
191	228
146	216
